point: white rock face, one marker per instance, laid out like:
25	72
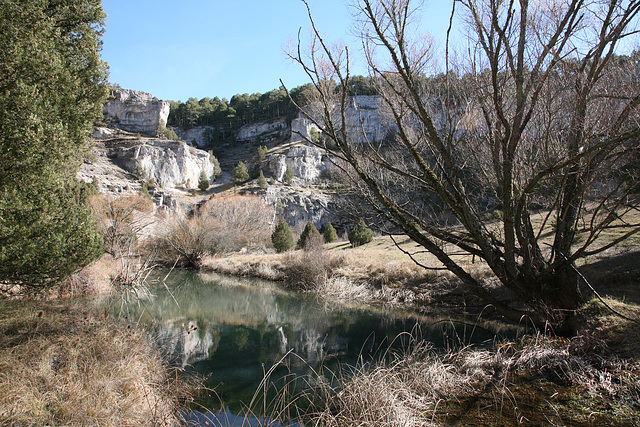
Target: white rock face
103	133
136	111
170	164
300	206
365	116
254	130
301	129
307	162
198	134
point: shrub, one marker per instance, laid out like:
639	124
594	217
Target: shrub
330	234
360	235
282	238
238	222
203	182
309	229
121	221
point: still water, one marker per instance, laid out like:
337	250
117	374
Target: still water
233	330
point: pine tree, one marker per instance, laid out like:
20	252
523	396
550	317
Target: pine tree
53	88
288	176
360	235
240	173
203	182
217	171
282	238
330	234
309	229
262	182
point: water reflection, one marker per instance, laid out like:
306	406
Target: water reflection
234	330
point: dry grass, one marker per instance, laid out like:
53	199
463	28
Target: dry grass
539	381
61	364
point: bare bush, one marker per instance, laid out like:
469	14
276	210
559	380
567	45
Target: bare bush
310	269
187	238
121	221
238	222
224	224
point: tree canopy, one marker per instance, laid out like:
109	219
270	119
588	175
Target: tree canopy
225	115
52	88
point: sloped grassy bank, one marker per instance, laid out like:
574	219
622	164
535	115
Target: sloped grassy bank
64	363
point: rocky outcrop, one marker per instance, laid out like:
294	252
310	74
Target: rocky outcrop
366	120
135	111
308	163
301	205
265	131
200	136
301	129
170	164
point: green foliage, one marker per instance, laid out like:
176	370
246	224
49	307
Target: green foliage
330	234
163	132
281	237
262	182
217	171
288	176
52	89
262	152
360	235
309	229
203	181
315	136
228	116
240	173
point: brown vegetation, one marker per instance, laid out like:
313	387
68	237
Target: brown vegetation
62	364
538	381
223	224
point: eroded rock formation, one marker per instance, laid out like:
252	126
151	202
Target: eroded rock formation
170	164
135	111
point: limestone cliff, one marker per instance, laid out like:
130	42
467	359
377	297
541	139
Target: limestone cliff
171	164
263	131
135	111
308	163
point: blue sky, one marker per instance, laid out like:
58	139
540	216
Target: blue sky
197	48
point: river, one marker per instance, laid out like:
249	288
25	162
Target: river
231	331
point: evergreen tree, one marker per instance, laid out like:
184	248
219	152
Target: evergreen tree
52	88
262	182
262	152
281	237
217	171
330	234
288	176
360	235
203	182
309	229
240	173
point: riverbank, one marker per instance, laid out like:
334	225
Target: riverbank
65	362
590	379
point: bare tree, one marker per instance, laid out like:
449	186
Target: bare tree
538	124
